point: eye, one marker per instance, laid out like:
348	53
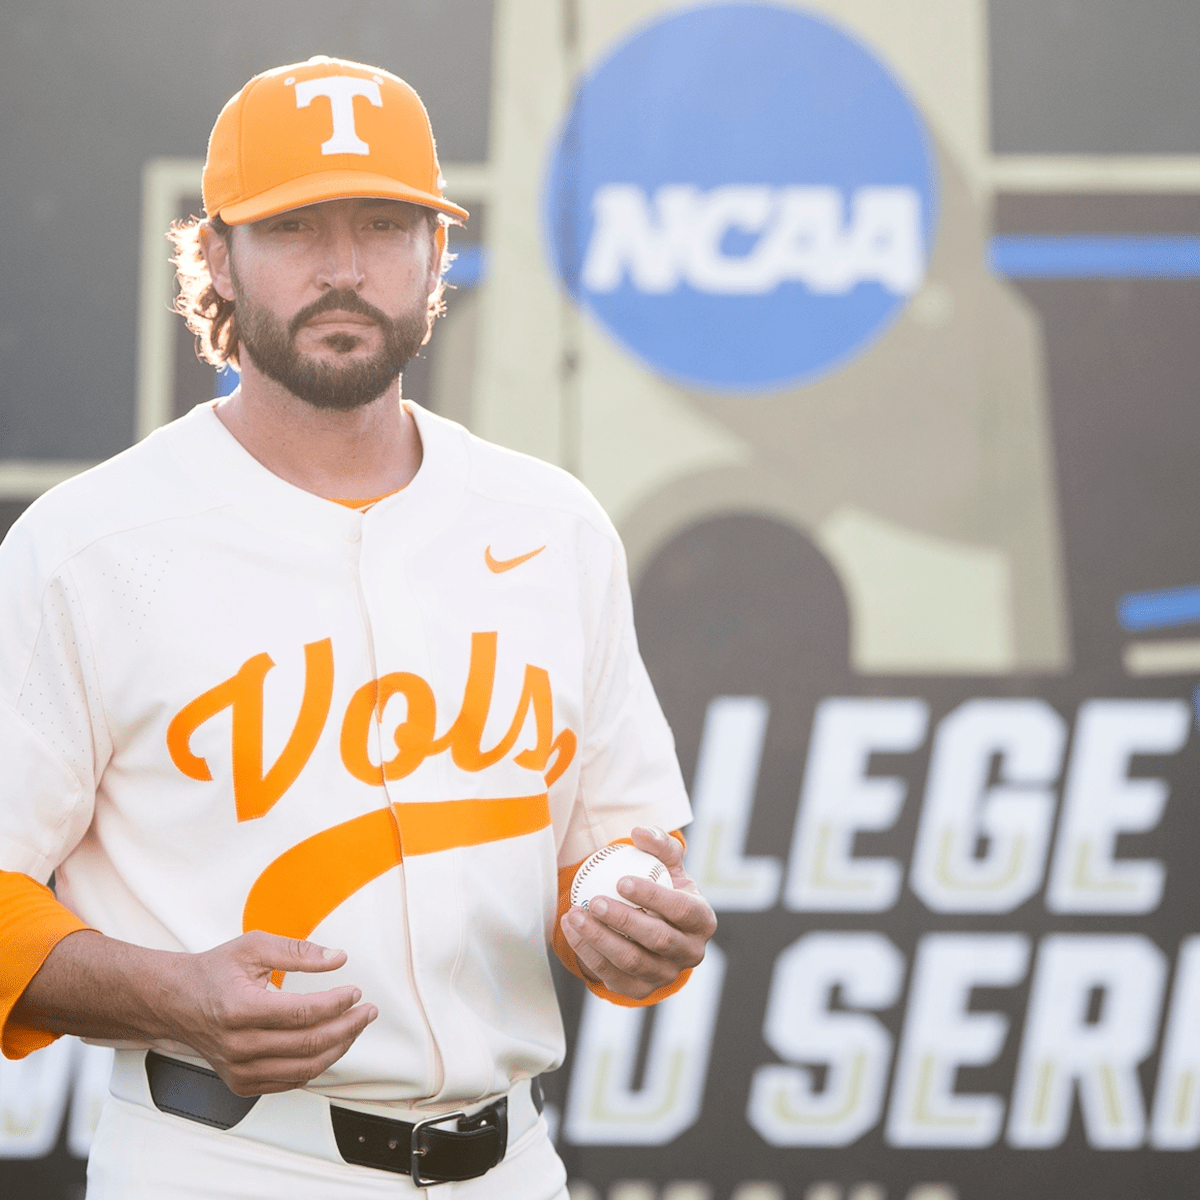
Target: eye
290	225
385	224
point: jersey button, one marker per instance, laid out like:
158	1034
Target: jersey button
354	535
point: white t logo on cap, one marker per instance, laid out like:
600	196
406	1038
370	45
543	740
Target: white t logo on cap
341	90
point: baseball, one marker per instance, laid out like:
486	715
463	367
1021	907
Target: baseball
598	875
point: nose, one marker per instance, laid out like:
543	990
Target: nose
341	265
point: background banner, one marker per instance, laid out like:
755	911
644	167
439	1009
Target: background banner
873	327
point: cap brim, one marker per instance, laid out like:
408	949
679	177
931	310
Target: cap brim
332	185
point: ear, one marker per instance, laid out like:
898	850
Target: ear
435	258
215	249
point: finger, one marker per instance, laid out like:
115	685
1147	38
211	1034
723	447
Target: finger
267	1075
604	952
309	1044
289	954
664	847
248	1053
291	1010
686	910
595	966
283	1075
649	931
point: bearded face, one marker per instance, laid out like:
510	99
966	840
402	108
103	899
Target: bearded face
344	380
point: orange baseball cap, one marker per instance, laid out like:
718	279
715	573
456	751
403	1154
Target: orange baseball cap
321	130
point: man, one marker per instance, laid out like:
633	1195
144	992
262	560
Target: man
313	662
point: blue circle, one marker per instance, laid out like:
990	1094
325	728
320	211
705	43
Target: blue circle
709	198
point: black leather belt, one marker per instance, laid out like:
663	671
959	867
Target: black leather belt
426	1151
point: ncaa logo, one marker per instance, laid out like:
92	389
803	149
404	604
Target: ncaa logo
743	195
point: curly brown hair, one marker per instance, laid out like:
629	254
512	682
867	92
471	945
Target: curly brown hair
212	318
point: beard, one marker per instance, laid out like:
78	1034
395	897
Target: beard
329	385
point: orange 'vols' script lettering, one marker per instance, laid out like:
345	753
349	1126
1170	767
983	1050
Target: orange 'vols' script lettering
255	791
414	736
465	737
306	883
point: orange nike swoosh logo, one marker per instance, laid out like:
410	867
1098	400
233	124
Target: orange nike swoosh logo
499	565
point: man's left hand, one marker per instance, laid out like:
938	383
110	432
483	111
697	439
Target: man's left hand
632	952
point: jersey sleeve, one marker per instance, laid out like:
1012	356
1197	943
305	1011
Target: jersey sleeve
53	735
51	756
44	806
32	923
628	772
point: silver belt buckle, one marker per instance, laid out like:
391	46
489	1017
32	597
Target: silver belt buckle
417	1151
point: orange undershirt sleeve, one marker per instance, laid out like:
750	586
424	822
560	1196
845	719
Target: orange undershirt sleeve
567	956
32	923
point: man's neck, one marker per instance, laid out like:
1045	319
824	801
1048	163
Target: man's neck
356	455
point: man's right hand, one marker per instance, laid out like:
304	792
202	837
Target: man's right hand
257	1039
216	1004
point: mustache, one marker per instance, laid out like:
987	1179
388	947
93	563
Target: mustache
341	301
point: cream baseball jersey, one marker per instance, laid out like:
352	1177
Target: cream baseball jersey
227	704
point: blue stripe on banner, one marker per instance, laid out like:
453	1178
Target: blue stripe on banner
1159	610
469	267
227	380
1087	256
